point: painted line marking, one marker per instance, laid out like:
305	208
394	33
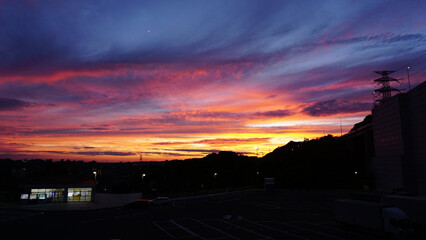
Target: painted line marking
361	235
309	230
278	230
263	205
164	230
186	229
229	235
248	230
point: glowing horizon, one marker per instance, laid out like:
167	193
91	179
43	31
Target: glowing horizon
175	80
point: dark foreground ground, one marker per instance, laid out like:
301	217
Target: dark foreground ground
286	214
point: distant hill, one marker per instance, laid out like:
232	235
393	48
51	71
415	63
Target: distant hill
323	162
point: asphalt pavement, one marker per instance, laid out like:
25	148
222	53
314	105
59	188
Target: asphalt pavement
286	214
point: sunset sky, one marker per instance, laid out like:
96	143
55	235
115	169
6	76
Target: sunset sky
106	80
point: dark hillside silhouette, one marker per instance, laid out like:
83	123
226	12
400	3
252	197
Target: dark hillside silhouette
320	163
327	162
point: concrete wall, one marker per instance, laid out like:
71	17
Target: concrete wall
417	143
388	144
399	128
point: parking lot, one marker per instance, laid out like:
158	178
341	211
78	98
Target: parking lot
286	214
210	229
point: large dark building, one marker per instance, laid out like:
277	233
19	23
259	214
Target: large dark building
399	133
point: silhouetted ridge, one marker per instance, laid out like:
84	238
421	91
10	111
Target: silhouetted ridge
367	120
320	162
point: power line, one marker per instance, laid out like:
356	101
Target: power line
412	63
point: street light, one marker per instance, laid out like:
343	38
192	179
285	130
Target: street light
214	180
143	175
94	192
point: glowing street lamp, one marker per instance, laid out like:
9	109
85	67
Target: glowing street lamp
94	190
143	175
214	180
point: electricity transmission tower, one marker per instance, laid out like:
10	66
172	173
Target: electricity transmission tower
384	90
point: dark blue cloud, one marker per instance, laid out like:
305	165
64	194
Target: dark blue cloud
45	36
331	107
7	104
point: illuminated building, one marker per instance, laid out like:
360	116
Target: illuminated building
58	193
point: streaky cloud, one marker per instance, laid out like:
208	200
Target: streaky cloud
335	106
8	104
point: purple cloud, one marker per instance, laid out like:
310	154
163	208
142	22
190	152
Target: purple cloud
275	113
334	106
8	104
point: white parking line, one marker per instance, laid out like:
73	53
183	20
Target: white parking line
216	229
362	236
263	205
310	230
164	230
248	230
278	230
186	229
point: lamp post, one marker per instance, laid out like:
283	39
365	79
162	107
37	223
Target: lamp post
408	76
257	179
214	180
94	190
143	175
355	177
